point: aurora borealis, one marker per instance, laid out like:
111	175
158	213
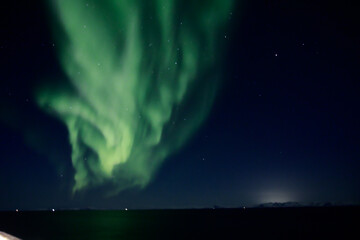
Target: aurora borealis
142	78
149	104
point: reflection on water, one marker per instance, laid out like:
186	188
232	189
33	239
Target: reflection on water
285	223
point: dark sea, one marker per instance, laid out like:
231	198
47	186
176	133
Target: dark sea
254	223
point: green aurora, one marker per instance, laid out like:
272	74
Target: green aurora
143	76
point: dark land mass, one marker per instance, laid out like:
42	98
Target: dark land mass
253	223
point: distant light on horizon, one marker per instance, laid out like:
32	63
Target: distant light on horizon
276	196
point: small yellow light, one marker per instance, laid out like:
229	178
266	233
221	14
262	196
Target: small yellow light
5	236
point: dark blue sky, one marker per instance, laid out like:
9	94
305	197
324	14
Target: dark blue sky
284	127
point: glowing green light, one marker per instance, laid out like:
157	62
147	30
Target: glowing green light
138	69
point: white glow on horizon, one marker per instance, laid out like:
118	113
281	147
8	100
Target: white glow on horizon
276	196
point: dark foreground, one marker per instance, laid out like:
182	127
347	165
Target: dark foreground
278	223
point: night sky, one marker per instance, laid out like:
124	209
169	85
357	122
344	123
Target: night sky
272	115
